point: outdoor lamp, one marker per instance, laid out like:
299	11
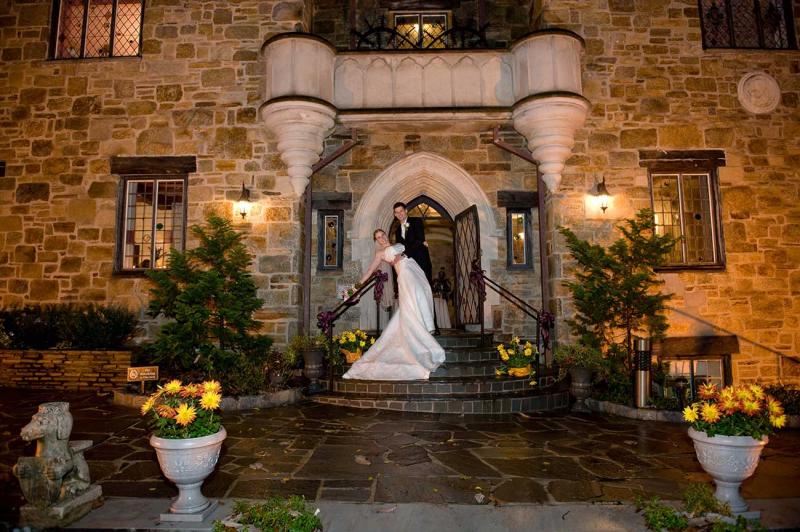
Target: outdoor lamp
602	194
243	203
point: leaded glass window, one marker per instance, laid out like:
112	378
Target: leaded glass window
518	239
421	30
330	239
764	24
153	221
96	28
685	206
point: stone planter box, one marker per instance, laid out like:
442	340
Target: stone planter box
652	414
229	404
64	369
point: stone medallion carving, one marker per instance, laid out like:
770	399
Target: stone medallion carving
759	93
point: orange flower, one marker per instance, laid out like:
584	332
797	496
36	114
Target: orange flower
210	400
173	386
165	411
757	391
751	408
212	386
729	404
191	390
710	412
707	391
778	421
744	394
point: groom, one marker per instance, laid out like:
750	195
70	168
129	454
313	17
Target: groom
411	233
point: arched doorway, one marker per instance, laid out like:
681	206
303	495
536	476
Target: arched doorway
421	175
439	233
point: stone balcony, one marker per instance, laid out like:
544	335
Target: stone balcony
535	85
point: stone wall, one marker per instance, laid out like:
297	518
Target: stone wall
68	370
195	91
653	87
492	168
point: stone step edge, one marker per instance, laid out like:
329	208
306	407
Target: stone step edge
531	392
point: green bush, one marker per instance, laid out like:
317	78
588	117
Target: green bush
67	326
209	297
280	515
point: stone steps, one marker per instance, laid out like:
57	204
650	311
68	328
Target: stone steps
465	384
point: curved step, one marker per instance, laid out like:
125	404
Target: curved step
467	369
531	401
436	386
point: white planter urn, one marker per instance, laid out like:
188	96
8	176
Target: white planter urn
729	460
187	463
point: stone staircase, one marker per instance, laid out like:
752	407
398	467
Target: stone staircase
464	384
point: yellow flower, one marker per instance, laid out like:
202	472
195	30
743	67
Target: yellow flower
774	407
727	393
185	414
511	352
173	386
371	341
743	394
515	340
499	372
528	351
504	355
212	386
362	343
148	405
707	390
757	391
710	412
210	400
690	413
778	421
751	408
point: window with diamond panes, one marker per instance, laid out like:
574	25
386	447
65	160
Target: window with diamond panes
685	206
153	221
421	30
763	24
97	28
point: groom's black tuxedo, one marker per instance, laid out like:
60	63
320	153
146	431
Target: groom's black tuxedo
414	241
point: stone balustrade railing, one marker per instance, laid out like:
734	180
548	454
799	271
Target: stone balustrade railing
536	84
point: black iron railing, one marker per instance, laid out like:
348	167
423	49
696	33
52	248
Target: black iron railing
544	320
326	320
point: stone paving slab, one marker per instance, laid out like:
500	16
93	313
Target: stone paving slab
328	453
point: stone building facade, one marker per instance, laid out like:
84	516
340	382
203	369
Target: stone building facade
204	72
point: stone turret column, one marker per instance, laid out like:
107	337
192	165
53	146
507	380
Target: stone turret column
298	89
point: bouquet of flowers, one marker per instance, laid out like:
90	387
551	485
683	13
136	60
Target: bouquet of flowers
348	292
353	344
735	411
516	358
184	411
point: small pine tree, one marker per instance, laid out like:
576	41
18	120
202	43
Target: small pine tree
210	296
616	292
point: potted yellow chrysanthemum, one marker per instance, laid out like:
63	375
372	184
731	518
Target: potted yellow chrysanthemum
729	428
353	344
187	437
516	357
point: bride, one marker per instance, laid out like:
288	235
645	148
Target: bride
406	350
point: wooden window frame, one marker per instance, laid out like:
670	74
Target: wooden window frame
56	24
691	162
321	214
528	265
122	208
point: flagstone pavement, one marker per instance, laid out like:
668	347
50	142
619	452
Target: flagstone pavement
337	454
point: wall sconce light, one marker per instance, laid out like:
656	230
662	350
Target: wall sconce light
602	194
243	203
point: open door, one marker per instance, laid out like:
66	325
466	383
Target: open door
467	248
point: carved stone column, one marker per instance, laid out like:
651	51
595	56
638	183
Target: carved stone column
549	122
301	127
298	91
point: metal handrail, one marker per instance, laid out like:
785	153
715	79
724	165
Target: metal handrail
544	320
326	320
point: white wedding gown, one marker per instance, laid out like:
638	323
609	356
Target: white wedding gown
406	350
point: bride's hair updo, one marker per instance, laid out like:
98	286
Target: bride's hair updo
375	233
